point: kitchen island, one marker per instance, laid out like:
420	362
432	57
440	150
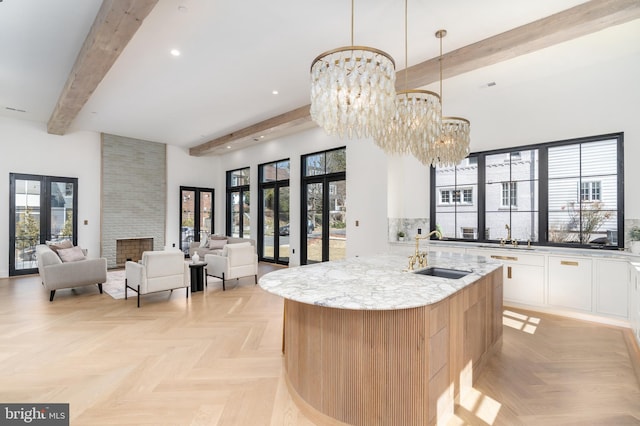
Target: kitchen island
367	342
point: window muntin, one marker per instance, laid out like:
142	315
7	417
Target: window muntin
579	203
327	162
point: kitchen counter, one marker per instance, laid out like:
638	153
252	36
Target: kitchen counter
367	342
374	283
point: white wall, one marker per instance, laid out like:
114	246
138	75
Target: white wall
184	170
366	186
27	148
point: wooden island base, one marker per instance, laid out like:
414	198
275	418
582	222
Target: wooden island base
392	367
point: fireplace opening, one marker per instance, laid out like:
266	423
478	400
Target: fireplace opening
131	249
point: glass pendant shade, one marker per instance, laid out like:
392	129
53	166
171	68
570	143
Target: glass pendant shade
453	146
353	91
415	124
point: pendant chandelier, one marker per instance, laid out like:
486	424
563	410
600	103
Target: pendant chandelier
453	145
353	90
416	122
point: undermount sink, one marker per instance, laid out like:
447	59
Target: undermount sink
434	271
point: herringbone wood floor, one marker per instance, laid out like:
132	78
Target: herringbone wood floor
215	359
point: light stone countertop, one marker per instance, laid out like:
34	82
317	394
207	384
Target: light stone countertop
378	282
522	247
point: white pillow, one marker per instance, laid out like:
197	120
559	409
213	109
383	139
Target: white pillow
72	254
204	240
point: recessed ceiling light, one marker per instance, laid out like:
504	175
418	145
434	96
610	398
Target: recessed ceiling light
275	92
261	136
183	9
493	83
175	52
228	146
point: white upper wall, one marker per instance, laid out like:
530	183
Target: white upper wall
595	97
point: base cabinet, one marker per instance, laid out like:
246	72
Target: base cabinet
634	300
570	282
611	286
522	276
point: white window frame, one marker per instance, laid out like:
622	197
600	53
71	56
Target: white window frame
592	187
509	195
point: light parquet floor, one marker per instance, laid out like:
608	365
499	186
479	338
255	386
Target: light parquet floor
215	359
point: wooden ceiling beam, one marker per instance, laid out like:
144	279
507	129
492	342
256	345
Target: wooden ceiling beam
569	24
115	24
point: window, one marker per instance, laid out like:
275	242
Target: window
458	196
238	203
567	193
590	191
457	210
509	194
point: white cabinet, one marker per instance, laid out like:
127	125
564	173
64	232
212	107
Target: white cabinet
522	275
570	282
634	299
611	287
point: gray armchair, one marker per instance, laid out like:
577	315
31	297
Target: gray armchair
56	274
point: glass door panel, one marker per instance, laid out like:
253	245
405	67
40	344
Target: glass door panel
27	224
283	221
235	214
315	223
337	220
269	224
187	221
61	211
206	213
246	214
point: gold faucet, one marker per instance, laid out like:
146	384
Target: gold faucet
421	257
506	226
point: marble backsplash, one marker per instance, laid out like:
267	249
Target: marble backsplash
409	226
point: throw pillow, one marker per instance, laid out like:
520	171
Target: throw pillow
59	245
217	237
215	244
225	251
72	254
204	240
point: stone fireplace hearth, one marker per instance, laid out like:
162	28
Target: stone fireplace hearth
131	249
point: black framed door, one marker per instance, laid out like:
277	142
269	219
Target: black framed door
196	215
42	208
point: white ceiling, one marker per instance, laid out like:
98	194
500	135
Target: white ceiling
233	55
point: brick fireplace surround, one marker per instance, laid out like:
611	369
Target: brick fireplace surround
131	249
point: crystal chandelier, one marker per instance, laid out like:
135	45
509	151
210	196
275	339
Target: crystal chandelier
416	122
453	145
353	90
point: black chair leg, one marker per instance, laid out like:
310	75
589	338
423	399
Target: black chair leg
256	278
223	289
100	288
138	295
126	287
53	293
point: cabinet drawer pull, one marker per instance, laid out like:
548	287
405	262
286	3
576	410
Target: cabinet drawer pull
509	272
568	263
504	257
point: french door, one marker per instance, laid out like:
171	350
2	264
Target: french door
196	215
325	212
42	208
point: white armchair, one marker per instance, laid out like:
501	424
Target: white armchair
157	271
235	261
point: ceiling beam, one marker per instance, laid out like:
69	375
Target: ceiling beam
115	24
578	21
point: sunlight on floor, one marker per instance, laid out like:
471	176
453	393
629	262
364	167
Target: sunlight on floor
474	408
520	322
